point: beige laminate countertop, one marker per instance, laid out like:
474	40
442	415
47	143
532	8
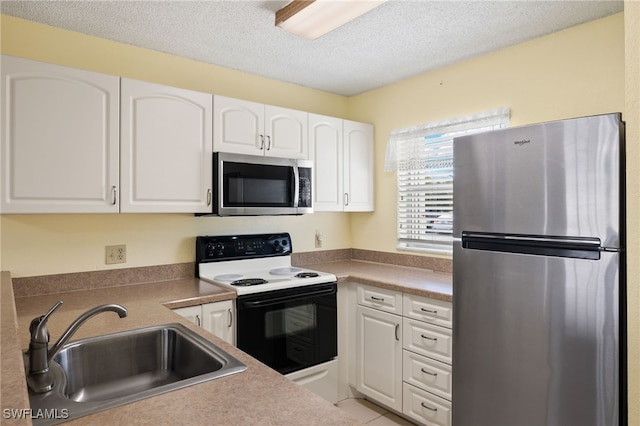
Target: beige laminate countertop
258	395
423	282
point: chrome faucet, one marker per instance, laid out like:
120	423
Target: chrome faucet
39	378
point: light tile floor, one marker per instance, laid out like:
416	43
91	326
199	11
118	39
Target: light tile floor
371	414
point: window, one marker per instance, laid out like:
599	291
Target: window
423	159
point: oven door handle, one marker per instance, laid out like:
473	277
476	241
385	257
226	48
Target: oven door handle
299	296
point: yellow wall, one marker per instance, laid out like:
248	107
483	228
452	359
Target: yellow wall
51	244
632	114
576	72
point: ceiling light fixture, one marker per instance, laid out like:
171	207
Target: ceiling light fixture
314	18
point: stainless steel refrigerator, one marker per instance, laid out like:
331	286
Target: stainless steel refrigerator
539	275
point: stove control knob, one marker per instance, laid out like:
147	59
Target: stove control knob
284	242
220	248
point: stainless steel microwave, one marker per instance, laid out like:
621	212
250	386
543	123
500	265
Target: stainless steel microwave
251	185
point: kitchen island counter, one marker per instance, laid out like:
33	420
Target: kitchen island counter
258	395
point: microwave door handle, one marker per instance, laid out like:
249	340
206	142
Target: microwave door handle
296	186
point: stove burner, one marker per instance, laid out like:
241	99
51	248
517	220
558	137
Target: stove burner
249	281
307	275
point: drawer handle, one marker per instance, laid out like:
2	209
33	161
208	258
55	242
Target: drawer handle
428	337
429	311
428	408
377	299
428	372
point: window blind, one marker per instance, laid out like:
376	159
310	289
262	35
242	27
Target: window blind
424	164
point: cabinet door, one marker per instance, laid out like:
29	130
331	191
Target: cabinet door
192	313
166	149
219	319
286	133
59	139
379	356
238	126
358	166
325	147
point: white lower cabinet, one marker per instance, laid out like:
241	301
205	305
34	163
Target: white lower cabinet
424	407
427	373
217	318
403	353
379	356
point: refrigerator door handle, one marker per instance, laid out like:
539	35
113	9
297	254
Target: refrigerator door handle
572	247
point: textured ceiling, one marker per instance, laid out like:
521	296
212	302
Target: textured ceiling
399	39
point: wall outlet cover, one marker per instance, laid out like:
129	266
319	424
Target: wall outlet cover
116	254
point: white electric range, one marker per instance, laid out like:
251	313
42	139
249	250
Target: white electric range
286	316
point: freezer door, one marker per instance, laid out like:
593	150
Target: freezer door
560	178
536	339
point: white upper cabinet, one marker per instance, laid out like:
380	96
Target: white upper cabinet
342	151
286	133
325	144
244	127
166	149
358	166
238	126
60	133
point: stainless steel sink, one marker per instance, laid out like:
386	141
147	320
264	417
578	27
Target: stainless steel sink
103	372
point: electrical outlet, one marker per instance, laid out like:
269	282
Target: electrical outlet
318	239
116	254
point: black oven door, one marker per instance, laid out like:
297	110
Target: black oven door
291	329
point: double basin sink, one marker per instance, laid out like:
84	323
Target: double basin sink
97	373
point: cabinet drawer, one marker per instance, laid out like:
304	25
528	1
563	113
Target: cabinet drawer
427	374
429	310
424	407
428	340
380	298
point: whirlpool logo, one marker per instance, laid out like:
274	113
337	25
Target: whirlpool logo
522	142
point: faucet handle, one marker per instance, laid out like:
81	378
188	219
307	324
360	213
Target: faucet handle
37	328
